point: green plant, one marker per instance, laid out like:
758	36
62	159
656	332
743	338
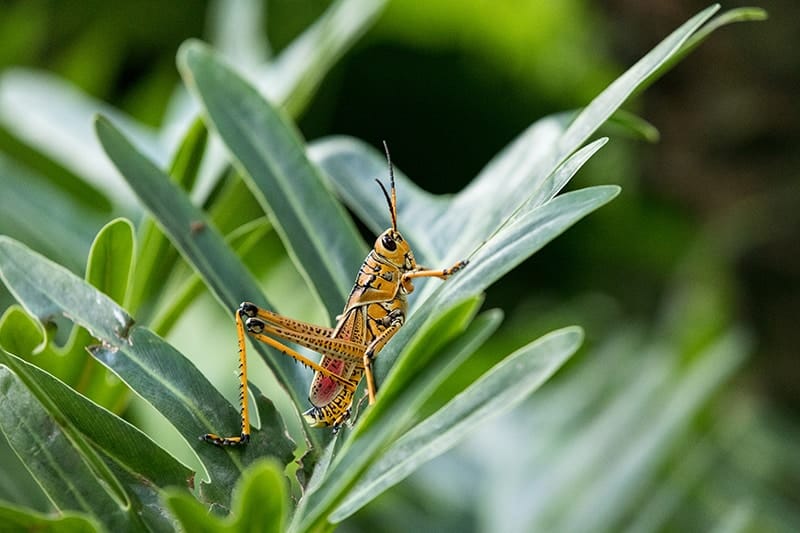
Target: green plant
120	477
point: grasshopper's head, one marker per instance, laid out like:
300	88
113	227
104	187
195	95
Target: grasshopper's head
390	244
392	247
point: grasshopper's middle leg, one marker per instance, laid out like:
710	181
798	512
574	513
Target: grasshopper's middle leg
397	319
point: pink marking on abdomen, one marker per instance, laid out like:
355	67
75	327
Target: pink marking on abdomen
325	388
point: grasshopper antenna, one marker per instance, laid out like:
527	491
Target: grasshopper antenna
391	200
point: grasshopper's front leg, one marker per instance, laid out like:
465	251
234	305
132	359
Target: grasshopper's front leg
397	317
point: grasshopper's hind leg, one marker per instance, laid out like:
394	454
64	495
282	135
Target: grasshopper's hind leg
244	436
258	323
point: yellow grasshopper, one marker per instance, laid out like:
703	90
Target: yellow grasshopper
375	310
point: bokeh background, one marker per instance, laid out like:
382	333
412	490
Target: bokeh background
703	240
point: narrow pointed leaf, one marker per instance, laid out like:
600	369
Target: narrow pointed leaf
123	442
15	519
531	230
498	391
60	467
297	72
156	257
199	242
259	504
742	14
621	475
389	417
604	105
306	215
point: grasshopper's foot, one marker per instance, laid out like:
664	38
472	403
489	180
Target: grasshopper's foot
241	440
344	419
455	268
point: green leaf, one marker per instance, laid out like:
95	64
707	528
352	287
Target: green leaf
17	486
156	257
178	390
38	211
294	76
626	460
47	290
341	480
634	125
153	368
607	102
57	122
243	240
436	225
110	259
108	268
420	355
504	387
259	504
382	424
118	439
529	231
199	242
734	15
14	519
60	466
312	224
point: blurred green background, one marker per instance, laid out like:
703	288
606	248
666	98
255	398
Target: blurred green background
703	240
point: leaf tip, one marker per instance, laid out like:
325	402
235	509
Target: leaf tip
189	52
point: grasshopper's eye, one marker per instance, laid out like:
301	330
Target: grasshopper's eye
389	243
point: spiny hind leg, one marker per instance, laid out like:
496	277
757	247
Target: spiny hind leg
250	320
244	436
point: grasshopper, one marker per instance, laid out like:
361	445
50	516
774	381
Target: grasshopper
374	312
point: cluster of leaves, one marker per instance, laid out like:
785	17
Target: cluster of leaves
100	472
